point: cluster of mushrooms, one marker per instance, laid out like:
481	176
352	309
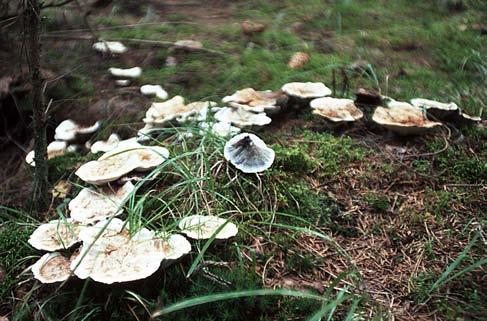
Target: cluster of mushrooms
92	242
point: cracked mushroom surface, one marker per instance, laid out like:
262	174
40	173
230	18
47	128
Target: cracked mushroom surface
403	119
241	118
248	153
306	90
52	268
202	227
56	235
255	101
336	110
91	206
110	254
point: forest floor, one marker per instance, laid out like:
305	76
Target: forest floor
385	227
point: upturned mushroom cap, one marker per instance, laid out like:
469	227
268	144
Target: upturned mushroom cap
248	153
55	235
403	119
134	72
201	227
120	161
68	130
111	255
336	110
54	149
436	109
91	206
154	90
241	118
252	100
305	90
51	268
114	47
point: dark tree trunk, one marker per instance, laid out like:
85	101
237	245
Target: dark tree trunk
40	190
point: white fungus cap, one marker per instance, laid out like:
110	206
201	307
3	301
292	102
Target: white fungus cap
306	89
68	130
431	104
114	47
173	247
110	254
122	82
241	118
91	206
154	90
175	109
54	149
336	110
112	143
55	235
120	161
134	72
224	129
252	100
201	227
248	153
403	119
188	44
51	268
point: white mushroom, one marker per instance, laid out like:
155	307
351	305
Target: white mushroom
121	161
201	227
114	47
110	254
54	149
306	90
154	90
188	44
248	153
122	82
336	110
51	268
172	247
436	109
224	129
112	143
175	109
254	101
403	119
68	130
55	235
134	72
241	118
91	206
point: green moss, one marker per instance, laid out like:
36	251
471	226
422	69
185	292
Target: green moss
379	203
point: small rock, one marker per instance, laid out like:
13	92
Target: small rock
251	27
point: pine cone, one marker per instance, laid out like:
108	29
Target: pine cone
298	60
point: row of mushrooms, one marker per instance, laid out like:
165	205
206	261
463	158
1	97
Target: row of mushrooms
103	247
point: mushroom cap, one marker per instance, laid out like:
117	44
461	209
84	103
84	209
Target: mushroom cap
68	130
306	89
241	118
111	255
122	82
175	109
201	227
155	90
252	100
134	72
248	153
90	206
427	104
173	247
224	129
51	268
105	146
188	44
120	161
54	149
110	46
403	119
55	235
336	109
